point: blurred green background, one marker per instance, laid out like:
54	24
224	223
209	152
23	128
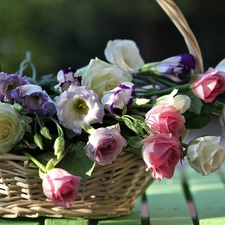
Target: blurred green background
63	33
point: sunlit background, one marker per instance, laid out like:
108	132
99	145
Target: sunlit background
62	33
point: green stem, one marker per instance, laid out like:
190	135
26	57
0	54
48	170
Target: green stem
60	131
166	90
144	106
184	145
35	161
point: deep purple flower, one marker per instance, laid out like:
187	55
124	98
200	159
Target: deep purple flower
176	67
66	78
119	96
34	99
78	106
8	82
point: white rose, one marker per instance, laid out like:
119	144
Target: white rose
205	155
180	102
125	54
11	127
100	76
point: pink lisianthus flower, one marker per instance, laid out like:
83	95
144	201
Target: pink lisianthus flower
161	153
78	106
105	144
165	119
209	85
118	97
60	187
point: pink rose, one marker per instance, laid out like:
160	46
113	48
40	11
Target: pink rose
208	85
165	119
161	153
104	145
60	187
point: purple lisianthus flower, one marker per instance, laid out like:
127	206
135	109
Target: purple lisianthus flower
8	82
78	106
118	97
66	78
176	67
34	99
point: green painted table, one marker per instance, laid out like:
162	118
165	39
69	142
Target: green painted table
188	198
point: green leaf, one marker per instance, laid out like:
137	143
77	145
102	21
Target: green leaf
197	121
196	105
80	164
130	124
135	142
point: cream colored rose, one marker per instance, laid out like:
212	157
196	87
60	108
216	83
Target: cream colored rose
180	102
100	76
125	54
205	155
11	127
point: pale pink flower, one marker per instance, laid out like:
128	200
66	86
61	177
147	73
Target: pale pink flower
161	153
165	119
60	187
104	145
209	85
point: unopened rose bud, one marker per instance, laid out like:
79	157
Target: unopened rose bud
38	141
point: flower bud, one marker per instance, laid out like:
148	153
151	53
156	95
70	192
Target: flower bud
59	146
18	107
175	68
38	141
45	132
140	101
50	165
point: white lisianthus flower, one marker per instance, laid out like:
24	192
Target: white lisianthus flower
125	54
205	155
77	107
11	127
100	76
180	102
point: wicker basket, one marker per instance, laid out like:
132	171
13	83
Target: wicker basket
110	191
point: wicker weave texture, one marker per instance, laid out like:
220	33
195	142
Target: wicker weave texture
110	191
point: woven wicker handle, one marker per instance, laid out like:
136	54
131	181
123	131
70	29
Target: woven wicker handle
172	10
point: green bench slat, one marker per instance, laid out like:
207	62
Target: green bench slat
52	221
167	204
19	221
132	219
208	194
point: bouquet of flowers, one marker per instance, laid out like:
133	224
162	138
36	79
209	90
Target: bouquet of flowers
68	122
